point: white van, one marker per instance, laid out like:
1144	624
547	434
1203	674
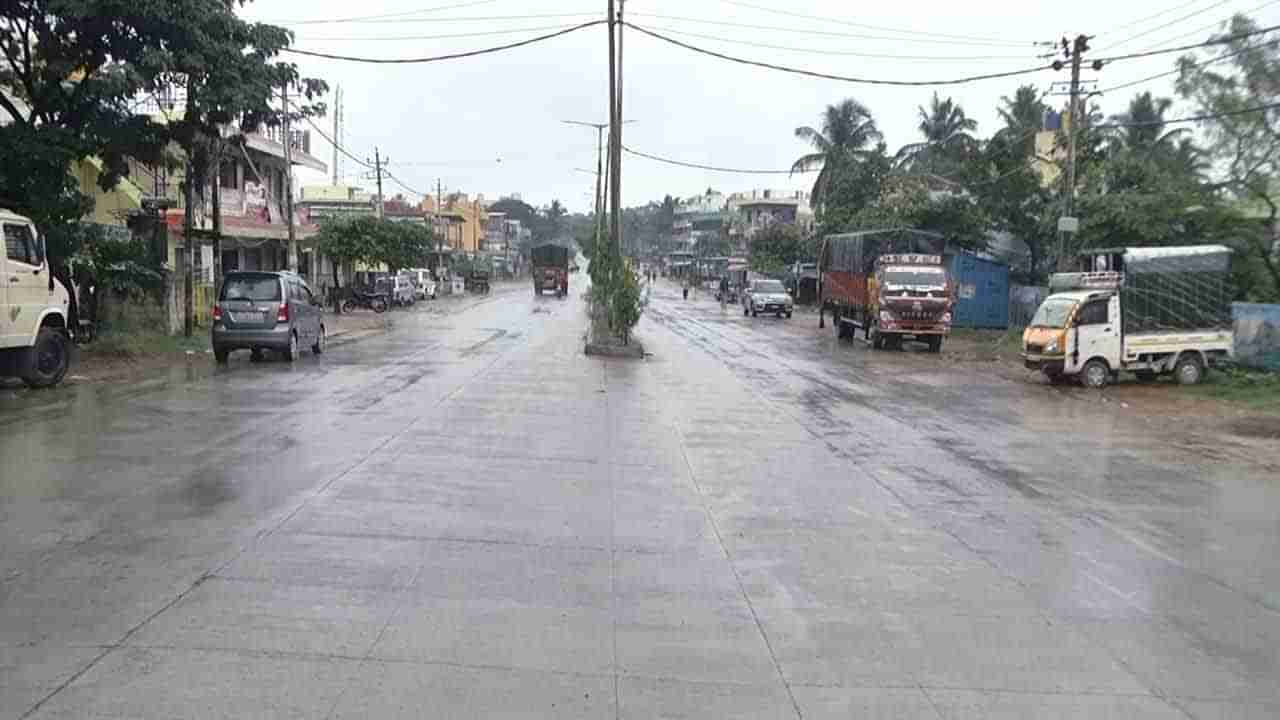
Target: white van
35	344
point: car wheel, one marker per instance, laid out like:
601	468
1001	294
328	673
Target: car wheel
349	306
255	355
47	360
291	353
379	305
788	316
1095	374
1188	371
745	311
220	355
754	312
318	347
778	315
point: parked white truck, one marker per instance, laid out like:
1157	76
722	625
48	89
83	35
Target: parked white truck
35	344
1149	311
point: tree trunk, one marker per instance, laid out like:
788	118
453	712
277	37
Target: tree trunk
217	216
337	291
189	244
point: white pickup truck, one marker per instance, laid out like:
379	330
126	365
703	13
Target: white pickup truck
35	344
1149	311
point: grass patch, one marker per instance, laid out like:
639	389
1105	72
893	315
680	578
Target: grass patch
1251	388
129	344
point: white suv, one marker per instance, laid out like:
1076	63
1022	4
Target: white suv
34	340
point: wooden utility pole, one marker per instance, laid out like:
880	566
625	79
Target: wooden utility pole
337	131
440	231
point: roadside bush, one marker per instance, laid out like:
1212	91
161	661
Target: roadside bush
624	305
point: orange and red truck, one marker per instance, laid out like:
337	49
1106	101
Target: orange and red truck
550	269
881	283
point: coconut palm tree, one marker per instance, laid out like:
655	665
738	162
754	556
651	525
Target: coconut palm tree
1023	117
848	131
1144	126
946	130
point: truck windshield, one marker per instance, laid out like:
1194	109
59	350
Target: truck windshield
914	276
1053	313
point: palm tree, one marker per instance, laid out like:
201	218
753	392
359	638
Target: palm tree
946	129
1023	117
1144	124
847	131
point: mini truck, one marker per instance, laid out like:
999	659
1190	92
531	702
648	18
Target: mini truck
35	342
890	296
1149	311
550	269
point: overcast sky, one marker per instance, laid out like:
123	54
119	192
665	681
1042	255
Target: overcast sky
492	124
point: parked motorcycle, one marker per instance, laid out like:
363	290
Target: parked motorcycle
376	302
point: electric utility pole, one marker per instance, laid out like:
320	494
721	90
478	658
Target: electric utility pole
615	134
288	181
439	218
599	207
337	132
378	163
1073	52
617	185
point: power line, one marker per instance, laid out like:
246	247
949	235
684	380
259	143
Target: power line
819	51
827	33
1145	18
850	23
333	142
713	168
1192	118
436	37
828	76
1215	41
1216	23
364	18
483	18
1175	71
397	181
1175	21
451	56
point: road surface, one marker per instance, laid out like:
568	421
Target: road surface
465	517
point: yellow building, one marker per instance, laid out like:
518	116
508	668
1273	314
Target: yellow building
461	220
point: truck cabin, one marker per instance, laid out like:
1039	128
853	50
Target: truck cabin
913	274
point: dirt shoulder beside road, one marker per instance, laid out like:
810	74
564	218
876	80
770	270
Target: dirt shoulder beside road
1246	403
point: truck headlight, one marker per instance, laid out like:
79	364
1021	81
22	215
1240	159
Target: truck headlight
1052	347
886	316
946	317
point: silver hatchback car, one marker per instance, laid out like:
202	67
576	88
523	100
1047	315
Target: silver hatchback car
259	311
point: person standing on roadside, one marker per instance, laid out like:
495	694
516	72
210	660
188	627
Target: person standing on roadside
724	292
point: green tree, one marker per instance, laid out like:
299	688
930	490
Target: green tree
948	141
847	133
1023	117
346	241
1244	145
776	247
852	188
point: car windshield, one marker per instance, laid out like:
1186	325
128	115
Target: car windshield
768	287
1053	313
932	277
263	288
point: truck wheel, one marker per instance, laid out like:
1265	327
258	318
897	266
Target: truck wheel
1188	371
47	360
1095	374
935	344
745	311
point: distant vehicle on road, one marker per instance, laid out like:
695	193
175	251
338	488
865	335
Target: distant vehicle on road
479	281
261	311
766	296
399	289
877	282
550	269
35	342
423	284
1150	311
376	302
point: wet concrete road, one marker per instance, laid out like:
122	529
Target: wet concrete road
467	518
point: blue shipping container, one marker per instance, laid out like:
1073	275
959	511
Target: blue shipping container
982	292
